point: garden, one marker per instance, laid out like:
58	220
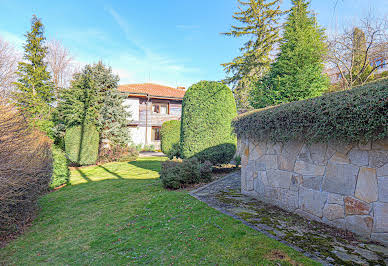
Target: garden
74	190
119	213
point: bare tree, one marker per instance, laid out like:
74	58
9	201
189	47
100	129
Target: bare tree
357	52
60	64
8	65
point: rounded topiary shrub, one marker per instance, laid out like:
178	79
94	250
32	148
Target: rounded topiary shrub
81	144
170	134
206	132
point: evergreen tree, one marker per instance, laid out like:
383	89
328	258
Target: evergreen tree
34	89
79	104
93	98
259	21
297	72
113	119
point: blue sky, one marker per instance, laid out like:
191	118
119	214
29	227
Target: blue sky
172	42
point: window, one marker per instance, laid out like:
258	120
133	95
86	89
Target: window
155	133
159	108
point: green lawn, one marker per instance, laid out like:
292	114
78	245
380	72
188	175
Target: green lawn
118	213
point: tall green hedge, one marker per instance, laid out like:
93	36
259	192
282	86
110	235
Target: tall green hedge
81	144
170	135
359	114
207	112
61	173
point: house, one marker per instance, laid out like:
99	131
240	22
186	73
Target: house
151	105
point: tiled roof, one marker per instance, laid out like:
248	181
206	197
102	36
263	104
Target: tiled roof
153	90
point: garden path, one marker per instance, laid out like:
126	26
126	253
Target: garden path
325	244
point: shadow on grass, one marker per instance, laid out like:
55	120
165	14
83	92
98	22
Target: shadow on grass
83	175
152	165
110	172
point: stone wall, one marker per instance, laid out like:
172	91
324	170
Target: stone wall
345	186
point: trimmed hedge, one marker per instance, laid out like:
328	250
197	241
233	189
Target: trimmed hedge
170	135
81	144
208	109
359	114
61	173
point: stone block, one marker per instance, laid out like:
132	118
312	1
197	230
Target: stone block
333	212
262	175
278	178
381	217
318	153
340	146
381	144
359	224
304	155
383	189
383	170
339	158
245	157
366	188
378	159
243	179
312	201
365	146
305	168
289	154
286	163
335	199
338	223
296	180
288	199
274	148
354	206
313	182
380	237
340	179
358	157
257	151
270	161
259	186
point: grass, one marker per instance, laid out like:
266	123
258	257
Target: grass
118	213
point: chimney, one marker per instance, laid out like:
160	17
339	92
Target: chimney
181	88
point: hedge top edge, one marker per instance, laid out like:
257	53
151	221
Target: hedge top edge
356	115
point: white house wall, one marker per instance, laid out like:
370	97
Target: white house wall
132	105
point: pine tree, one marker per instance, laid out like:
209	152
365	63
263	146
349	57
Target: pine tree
113	119
34	89
93	98
297	72
260	23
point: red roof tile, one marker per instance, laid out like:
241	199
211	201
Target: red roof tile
153	90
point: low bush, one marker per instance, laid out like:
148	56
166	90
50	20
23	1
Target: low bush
180	173
170	175
170	137
359	114
61	173
117	153
25	169
81	144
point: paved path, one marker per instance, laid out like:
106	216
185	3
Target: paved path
325	244
151	154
